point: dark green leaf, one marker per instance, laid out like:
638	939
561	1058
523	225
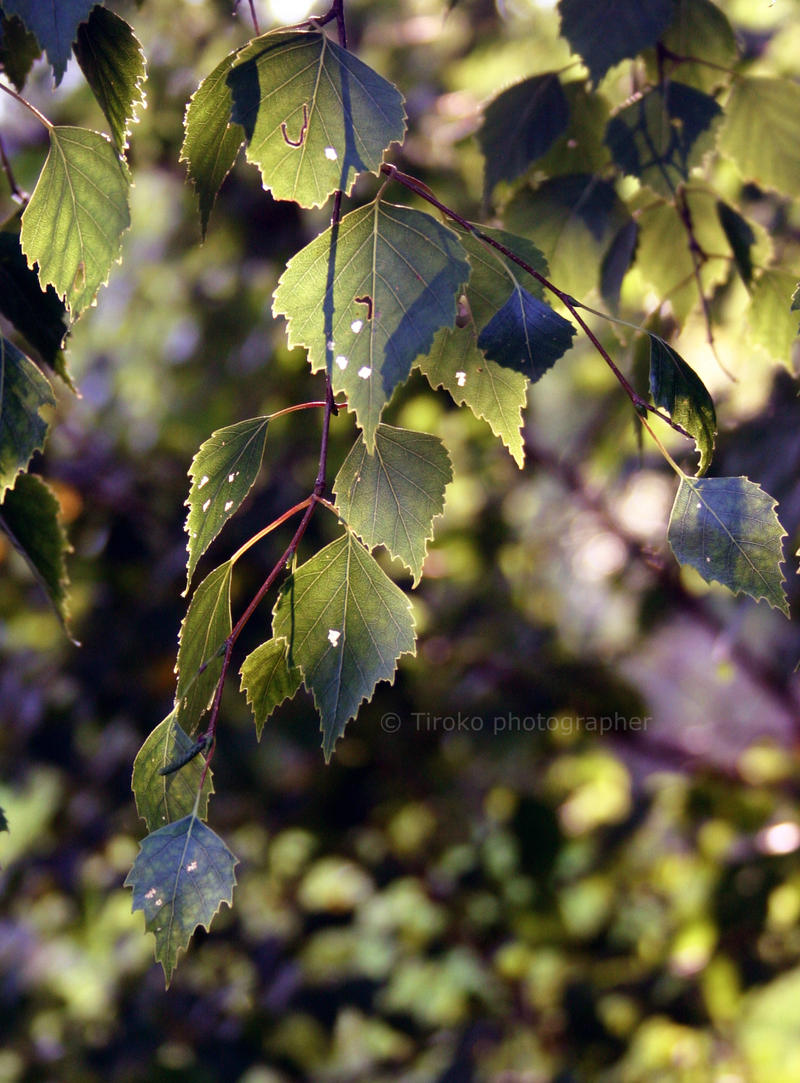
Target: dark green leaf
617	262
29	515
37	314
526	335
315	116
346	624
3	821
520	125
268	679
18	50
771	108
581	147
204	629
23	393
727	529
222	473
660	137
700	29
74	223
367	297
677	389
391	497
211	142
494	276
181	877
113	62
162	799
604	32
740	237
55	24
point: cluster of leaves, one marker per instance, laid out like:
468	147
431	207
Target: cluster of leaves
386	289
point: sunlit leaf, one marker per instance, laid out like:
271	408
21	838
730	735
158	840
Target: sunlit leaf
392	496
77	214
740	237
222	473
581	147
700	29
112	60
662	135
526	335
520	125
728	530
55	24
494	276
366	299
18	50
772	325
606	31
315	116
29	514
23	393
182	875
346	624
211	141
204	629
268	680
677	389
162	799
771	108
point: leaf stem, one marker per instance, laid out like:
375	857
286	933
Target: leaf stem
32	108
299	406
254	17
268	529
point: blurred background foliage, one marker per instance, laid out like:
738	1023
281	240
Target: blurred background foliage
462	896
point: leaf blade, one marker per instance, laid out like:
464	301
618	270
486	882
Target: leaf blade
24	391
677	389
161	798
112	60
607	31
526	335
54	24
204	630
267	680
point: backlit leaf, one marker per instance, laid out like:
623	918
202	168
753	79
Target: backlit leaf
392	496
204	629
677	389
606	31
728	530
771	323
55	24
182	875
315	116
268	680
74	223
211	141
617	262
771	108
526	335
660	137
162	799
18	50
520	125
112	60
37	314
346	624
494	276
700	29
222	473
24	390
740	237
366	299
30	516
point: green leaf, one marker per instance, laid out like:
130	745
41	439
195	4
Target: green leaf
617	262
520	125
367	297
222	473
3	821
268	680
573	220
660	137
526	335
580	148
771	108
55	23
740	237
162	799
391	497
346	624
77	214
211	141
37	314
494	276
29	515
700	29
606	31
727	529
112	60
18	50
204	629
491	392
182	875
677	389
23	393
315	116
770	319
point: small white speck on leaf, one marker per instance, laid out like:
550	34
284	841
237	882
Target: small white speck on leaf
341	361
191	866
228	505
203	481
330	154
150	893
333	636
365	372
232	477
461	378
330	344
356	326
207	504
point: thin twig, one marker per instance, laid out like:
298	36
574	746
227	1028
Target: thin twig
254	17
16	191
31	108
